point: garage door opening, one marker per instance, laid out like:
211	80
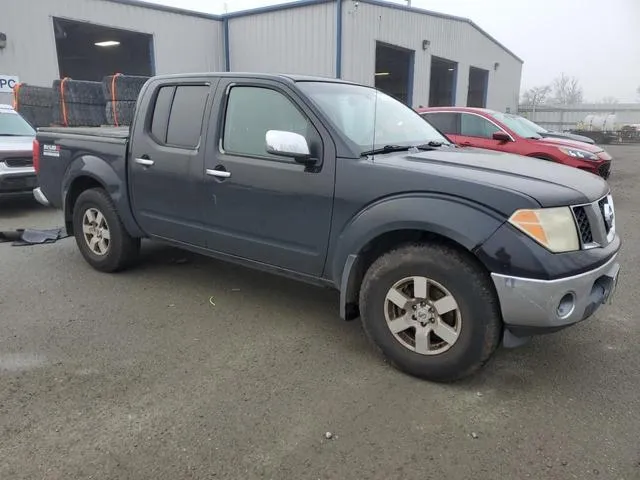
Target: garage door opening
91	52
444	76
478	84
394	71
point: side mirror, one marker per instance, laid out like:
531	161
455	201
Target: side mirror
501	137
288	144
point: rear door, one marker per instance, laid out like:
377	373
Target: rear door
259	206
166	160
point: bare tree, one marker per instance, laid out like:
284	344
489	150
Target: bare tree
609	100
536	95
567	90
638	92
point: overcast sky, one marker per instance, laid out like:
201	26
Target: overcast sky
597	41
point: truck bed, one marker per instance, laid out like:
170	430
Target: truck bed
108	132
104	149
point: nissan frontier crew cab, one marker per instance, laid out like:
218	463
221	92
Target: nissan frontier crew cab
442	252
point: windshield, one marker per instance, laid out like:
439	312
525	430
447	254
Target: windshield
369	118
532	125
13	125
515	123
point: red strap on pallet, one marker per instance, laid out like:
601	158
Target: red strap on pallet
113	98
63	104
16	99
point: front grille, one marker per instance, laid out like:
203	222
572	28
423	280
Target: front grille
604	170
601	204
18	162
584	227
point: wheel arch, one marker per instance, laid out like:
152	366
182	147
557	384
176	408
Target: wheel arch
459	224
90	171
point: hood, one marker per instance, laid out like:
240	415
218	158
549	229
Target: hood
16	144
550	184
566	142
569	136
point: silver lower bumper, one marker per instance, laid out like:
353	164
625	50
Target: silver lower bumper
40	197
553	304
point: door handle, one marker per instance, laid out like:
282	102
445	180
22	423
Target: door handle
147	162
218	173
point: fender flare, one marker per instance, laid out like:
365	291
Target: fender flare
464	222
95	168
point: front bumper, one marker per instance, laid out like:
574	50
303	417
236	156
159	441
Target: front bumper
17	180
531	306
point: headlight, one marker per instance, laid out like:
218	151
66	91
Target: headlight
574	152
553	228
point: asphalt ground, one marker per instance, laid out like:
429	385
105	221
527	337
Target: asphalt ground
186	367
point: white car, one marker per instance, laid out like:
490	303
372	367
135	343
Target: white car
17	175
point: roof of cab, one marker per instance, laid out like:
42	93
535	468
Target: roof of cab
281	77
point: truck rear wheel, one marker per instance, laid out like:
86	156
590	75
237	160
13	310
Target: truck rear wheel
100	235
431	311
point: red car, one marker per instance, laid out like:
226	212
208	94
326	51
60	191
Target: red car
482	128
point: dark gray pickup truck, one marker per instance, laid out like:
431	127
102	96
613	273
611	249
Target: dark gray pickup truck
443	253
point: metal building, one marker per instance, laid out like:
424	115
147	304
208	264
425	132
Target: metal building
421	57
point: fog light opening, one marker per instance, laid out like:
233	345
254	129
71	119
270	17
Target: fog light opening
566	306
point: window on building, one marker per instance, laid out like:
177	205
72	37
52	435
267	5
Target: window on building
178	115
251	112
476	126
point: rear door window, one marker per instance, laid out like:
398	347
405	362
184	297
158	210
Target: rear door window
178	115
446	122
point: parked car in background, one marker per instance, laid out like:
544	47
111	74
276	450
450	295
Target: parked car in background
543	132
482	128
17	175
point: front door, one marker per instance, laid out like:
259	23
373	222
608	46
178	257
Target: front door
260	206
166	161
477	131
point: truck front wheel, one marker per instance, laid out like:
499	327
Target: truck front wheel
431	310
100	235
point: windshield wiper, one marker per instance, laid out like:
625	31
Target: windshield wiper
12	135
402	148
431	144
386	149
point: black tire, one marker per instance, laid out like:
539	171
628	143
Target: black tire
80	115
481	322
79	91
35	96
36	116
124	111
123	249
127	87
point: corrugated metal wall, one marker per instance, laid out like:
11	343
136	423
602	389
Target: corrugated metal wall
451	39
297	40
567	118
181	43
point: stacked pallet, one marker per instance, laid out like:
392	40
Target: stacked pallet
34	104
121	94
78	103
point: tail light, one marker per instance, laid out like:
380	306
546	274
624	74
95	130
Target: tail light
36	155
